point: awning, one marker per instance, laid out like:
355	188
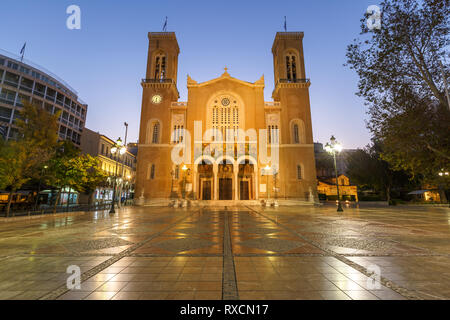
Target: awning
418	192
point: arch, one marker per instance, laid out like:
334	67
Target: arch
151	131
227	157
204	157
250	158
159	62
297	129
291	62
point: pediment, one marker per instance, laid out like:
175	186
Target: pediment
224	78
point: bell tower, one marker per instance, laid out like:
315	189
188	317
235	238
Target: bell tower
292	93
159	92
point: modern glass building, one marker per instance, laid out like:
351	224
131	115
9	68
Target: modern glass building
23	80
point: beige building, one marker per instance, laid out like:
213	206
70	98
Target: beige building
328	188
225	134
98	145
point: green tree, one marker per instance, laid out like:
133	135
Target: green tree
94	177
23	160
402	83
367	169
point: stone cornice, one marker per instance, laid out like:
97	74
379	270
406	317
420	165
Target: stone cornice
290	85
161	85
286	36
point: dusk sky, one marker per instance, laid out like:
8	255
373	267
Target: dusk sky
106	60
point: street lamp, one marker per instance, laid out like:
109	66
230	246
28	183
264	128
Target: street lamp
332	148
442	194
186	171
267	169
39	187
117	149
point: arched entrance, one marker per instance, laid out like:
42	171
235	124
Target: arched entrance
225	177
246	184
206	180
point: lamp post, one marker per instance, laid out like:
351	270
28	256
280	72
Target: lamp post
39	188
442	194
186	171
267	169
117	149
123	164
332	148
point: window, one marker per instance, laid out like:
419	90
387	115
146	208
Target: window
7	96
155	132
291	66
299	172
297	131
5	114
151	171
26	84
272	131
296	138
177	172
178	132
103	149
160	66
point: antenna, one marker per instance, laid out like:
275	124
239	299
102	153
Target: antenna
285	24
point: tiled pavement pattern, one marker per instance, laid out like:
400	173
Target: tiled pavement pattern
230	253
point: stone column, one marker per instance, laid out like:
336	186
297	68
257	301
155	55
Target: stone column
216	181
256	183
235	171
194	183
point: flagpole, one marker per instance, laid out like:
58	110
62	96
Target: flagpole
22	52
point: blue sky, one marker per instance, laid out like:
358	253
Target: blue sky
105	60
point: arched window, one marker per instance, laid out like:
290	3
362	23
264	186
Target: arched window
297	131
160	66
225	117
155	135
291	66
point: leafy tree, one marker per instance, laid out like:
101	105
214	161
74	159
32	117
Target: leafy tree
22	160
367	169
401	81
94	175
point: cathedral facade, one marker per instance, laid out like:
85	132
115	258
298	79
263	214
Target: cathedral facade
225	142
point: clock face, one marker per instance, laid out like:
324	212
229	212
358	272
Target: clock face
225	102
156	99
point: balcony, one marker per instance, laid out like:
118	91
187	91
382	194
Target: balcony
179	104
272	104
293	81
157	81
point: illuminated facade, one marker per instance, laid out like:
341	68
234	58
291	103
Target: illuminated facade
222	128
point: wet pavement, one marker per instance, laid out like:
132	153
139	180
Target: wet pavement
231	253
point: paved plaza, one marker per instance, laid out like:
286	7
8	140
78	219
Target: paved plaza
231	253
